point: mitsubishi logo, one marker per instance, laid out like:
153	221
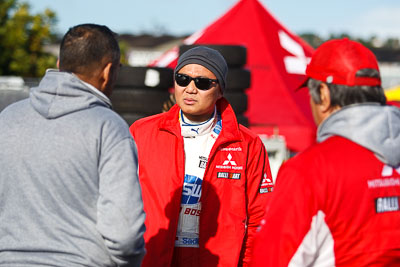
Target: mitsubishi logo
388	171
266	179
297	63
226	162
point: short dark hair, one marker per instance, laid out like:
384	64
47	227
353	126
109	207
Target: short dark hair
343	95
86	47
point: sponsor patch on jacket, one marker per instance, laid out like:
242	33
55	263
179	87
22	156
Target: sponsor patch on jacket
229	164
202	162
267	185
229	175
386	204
236	149
383	182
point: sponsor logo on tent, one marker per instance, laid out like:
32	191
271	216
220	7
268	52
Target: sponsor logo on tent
297	63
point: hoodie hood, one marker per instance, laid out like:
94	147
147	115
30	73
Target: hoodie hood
62	93
370	125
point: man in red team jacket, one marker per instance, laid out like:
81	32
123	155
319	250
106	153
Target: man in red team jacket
337	203
205	178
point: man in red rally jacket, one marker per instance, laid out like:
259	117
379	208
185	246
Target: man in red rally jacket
337	203
205	178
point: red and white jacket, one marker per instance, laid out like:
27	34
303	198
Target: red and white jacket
337	203
235	189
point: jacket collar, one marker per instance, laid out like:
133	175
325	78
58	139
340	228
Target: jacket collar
370	125
230	128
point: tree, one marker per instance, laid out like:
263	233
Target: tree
22	38
124	47
312	39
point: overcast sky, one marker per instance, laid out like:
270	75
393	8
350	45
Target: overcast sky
360	18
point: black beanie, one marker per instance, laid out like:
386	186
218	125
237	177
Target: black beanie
208	58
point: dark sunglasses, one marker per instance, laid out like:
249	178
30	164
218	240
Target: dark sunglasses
201	83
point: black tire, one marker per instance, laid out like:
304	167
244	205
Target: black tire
235	55
140	101
31	82
149	77
242	119
238	101
237	80
8	97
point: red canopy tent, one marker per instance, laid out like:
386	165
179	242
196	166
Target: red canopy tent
276	59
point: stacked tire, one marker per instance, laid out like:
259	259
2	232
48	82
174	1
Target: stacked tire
141	91
12	89
8	97
238	79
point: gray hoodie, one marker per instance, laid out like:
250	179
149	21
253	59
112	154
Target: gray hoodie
69	191
370	125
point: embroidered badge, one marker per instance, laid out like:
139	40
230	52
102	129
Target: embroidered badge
228	175
267	185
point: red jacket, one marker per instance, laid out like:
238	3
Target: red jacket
232	205
335	204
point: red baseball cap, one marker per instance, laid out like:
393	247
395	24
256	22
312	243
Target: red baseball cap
338	61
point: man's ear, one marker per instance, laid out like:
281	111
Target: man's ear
58	63
325	94
221	93
105	76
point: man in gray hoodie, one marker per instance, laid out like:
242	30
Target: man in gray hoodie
338	203
69	192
